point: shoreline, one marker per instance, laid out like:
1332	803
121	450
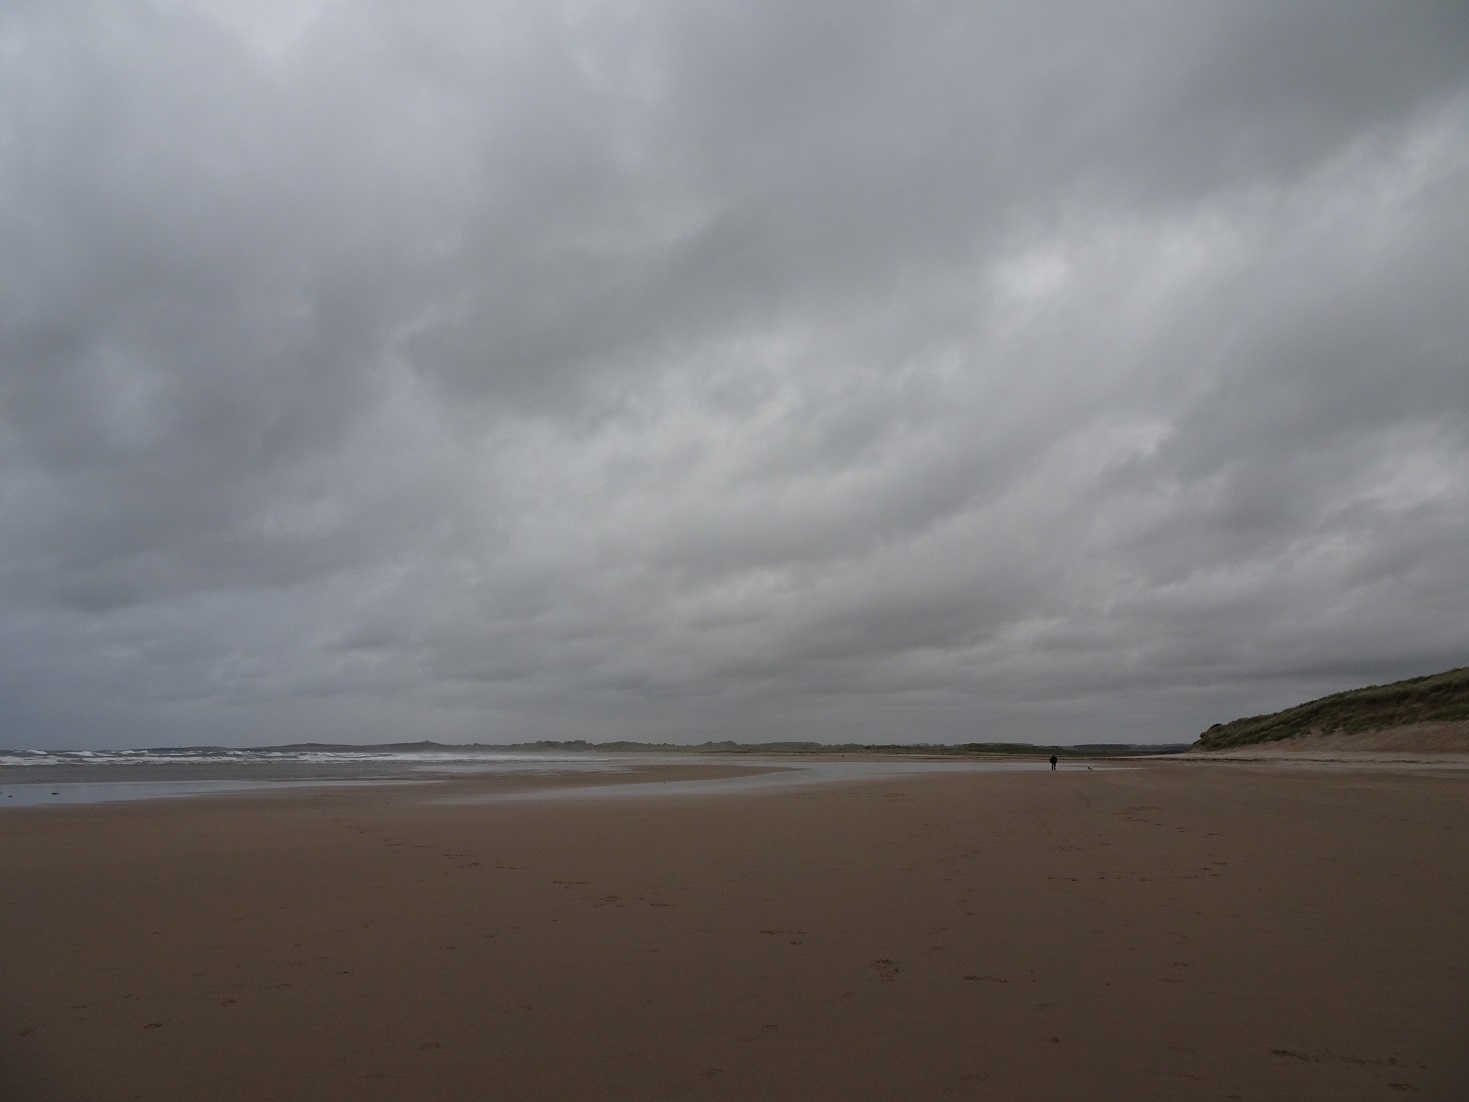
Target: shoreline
429	786
651	775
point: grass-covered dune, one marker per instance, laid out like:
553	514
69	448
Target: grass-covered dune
1435	698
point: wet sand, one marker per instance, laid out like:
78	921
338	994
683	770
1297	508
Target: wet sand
1163	932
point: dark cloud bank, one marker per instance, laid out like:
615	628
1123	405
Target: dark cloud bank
888	371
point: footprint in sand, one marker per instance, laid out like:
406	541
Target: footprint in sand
769	1029
887	970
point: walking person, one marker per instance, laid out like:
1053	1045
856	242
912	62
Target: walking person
1053	763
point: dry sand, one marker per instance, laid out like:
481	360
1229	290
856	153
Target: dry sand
1165	932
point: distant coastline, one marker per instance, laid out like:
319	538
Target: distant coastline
367	751
1090	749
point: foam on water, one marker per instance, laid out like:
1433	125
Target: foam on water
30	778
107	792
489	759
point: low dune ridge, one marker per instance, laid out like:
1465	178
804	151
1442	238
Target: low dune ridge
1414	738
1426	714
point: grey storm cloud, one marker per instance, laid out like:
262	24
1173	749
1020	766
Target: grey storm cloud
842	371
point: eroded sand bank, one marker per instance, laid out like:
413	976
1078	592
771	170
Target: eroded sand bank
1163	932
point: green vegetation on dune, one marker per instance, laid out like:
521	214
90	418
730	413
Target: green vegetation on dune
1436	698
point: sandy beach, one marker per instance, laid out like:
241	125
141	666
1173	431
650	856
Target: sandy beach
1160	932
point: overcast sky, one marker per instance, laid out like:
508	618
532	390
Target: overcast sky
825	370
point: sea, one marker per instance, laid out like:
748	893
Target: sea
38	778
30	778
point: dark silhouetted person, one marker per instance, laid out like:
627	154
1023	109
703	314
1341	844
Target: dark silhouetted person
1053	763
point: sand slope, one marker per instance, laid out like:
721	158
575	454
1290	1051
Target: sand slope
1423	738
